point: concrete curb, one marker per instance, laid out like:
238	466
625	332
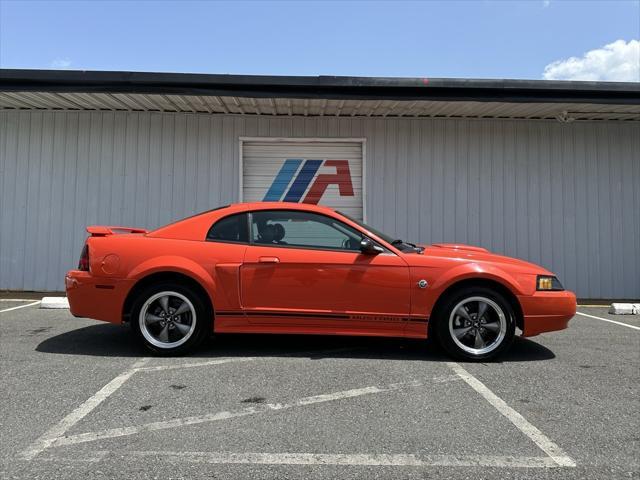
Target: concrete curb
54	302
624	309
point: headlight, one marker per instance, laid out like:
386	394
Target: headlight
545	282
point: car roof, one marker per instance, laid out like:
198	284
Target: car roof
193	227
247	206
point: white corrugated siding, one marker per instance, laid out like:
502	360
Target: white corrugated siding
565	196
263	161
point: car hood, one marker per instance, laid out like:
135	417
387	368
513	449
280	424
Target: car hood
477	254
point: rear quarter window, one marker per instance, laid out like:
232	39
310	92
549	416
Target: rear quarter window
231	229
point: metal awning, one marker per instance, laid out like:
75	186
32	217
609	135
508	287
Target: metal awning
318	96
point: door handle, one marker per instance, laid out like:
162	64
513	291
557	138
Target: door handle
269	260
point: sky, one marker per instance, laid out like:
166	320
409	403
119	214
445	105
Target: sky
536	39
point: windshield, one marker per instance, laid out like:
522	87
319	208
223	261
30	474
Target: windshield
396	242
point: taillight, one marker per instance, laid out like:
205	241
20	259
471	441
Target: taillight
83	264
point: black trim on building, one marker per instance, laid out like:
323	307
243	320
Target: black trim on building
330	87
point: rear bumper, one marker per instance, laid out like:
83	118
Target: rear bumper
94	297
547	311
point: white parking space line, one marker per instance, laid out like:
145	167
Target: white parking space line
607	320
225	415
359	459
90	457
55	435
218	361
521	423
20	306
49	437
16	300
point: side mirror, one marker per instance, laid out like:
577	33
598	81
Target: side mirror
369	248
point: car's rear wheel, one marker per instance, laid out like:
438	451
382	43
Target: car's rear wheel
475	324
169	319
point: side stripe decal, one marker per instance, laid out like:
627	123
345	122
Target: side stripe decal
334	316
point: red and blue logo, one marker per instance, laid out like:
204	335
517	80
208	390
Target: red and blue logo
293	180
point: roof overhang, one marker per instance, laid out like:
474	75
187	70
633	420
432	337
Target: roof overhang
318	96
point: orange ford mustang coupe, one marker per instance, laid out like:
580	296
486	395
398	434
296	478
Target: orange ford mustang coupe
298	268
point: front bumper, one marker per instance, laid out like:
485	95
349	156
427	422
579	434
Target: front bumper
96	297
547	311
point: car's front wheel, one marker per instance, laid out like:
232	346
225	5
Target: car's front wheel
169	319
475	324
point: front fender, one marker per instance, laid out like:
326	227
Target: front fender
475	270
423	301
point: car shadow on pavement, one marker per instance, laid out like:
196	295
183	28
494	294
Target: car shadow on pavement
106	340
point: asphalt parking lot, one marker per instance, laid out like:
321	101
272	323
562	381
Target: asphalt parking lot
81	399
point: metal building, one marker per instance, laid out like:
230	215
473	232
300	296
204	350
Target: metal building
544	171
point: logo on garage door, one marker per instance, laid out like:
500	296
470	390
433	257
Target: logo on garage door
293	180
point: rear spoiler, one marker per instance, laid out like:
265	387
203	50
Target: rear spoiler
103	231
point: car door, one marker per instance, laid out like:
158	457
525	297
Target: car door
222	254
304	272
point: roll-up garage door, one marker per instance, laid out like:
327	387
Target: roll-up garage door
324	173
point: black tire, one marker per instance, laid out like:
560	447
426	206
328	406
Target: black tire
457	334
196	321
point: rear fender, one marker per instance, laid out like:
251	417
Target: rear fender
177	264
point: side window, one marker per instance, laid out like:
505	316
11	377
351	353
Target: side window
233	228
302	229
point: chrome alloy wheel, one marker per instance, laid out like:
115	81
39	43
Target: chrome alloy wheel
477	325
167	319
